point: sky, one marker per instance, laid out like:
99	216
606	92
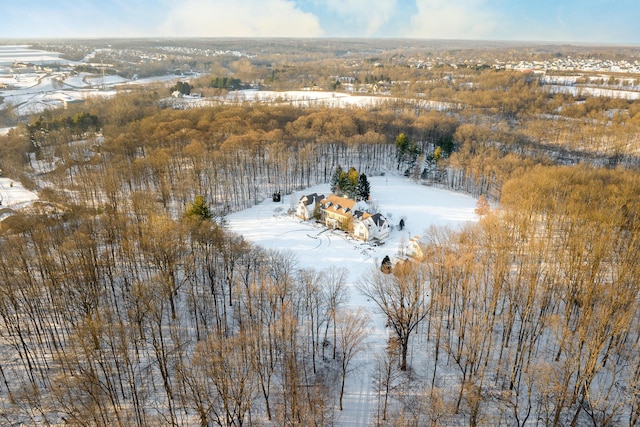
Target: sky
588	21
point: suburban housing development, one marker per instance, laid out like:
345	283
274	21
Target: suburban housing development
345	214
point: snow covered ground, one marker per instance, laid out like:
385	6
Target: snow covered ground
32	91
23	53
35	92
308	98
13	196
268	224
421	207
304	98
594	91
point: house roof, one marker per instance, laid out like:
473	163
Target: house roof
378	219
311	199
339	205
361	215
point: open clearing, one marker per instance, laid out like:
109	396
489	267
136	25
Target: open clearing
268	225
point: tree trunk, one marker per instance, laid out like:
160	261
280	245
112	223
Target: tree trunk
342	389
404	343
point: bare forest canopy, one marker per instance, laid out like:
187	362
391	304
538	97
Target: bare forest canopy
124	300
303	49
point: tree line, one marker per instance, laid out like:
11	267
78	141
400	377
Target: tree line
232	156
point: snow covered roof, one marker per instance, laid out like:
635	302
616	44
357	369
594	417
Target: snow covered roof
311	199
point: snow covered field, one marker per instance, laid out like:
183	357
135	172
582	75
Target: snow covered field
304	98
13	195
23	53
309	98
268	224
421	207
32	91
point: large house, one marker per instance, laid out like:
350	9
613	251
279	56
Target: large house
370	227
346	214
307	205
337	211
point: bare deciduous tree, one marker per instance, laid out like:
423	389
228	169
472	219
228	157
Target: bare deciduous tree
352	331
402	298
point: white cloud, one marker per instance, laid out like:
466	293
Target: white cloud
239	18
369	16
447	19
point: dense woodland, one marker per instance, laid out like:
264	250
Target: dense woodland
125	301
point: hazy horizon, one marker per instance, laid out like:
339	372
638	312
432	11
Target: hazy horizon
570	21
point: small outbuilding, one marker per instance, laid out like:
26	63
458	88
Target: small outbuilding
414	249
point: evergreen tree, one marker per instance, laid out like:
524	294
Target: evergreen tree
406	151
226	83
182	87
437	153
351	183
335	180
364	188
199	209
402	145
385	267
343	184
446	143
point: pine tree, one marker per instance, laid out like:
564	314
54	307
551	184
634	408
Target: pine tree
385	266
406	151
437	154
447	145
343	184
199	209
402	144
351	183
335	179
182	87
364	188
